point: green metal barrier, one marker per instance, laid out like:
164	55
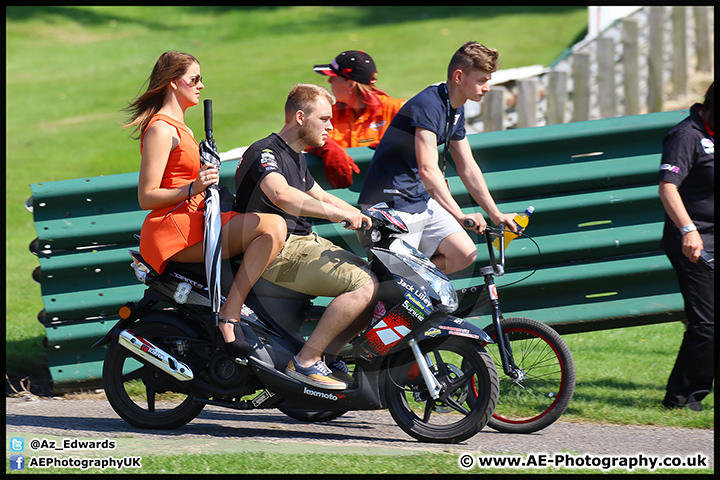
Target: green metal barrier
597	222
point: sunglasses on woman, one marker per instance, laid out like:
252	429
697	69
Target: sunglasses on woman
194	80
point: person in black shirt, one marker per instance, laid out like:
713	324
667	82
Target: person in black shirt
405	171
687	191
273	177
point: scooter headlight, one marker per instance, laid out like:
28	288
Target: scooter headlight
442	286
430	273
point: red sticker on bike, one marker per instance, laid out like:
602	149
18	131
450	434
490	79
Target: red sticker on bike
493	292
387	333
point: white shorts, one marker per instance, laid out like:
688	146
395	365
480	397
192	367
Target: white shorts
427	229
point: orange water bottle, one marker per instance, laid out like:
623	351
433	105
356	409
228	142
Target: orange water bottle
521	220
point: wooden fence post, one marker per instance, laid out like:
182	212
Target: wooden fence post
527	102
646	97
606	77
581	87
702	36
556	97
493	110
679	52
655	59
631	70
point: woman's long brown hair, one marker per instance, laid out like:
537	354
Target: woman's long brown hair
170	66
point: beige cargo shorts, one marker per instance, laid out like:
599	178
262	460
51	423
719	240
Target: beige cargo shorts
315	266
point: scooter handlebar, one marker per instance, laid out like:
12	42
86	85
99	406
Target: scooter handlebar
346	224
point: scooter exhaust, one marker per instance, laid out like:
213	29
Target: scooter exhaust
164	361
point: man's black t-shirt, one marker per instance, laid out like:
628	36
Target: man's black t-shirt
271	154
392	176
688	161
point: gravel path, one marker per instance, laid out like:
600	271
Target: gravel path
217	429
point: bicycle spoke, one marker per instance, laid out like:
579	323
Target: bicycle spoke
531	392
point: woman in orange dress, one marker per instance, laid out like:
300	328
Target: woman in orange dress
171	184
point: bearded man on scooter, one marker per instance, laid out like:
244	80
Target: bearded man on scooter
273	177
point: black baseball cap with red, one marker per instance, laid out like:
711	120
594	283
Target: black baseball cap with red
353	64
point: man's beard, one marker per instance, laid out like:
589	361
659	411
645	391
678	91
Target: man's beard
312	138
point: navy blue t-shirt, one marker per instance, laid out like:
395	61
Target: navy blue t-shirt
271	154
392	176
688	161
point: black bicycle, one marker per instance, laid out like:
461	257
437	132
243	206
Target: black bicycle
539	371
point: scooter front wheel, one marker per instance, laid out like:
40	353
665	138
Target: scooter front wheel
140	393
462	367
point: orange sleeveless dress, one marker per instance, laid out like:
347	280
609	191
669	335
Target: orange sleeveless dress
167	231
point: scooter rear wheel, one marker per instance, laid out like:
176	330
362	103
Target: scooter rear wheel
462	366
141	394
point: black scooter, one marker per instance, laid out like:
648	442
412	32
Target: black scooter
166	361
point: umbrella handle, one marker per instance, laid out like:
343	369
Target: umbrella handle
207	103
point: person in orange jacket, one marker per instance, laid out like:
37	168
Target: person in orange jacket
361	114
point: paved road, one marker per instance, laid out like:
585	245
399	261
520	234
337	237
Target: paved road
218	429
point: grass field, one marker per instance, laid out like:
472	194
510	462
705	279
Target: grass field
70	71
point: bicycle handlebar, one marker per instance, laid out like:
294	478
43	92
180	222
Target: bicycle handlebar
489	231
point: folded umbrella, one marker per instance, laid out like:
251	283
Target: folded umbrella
212	239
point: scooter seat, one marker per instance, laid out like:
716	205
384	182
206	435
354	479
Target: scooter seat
265	288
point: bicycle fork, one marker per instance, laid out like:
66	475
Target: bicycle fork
508	362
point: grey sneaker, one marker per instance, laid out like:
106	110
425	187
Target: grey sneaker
317	375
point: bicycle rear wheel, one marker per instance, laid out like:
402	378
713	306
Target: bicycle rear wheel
547	381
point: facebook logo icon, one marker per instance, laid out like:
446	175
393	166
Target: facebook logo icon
17	462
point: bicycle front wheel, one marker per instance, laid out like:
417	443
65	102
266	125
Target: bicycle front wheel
546	382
